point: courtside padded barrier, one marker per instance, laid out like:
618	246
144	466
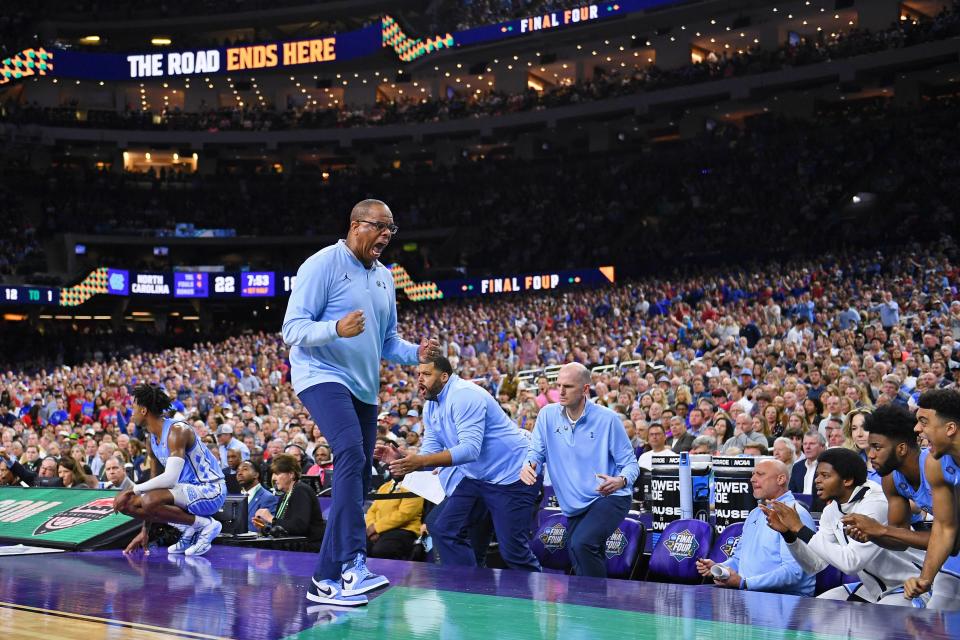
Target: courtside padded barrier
71	519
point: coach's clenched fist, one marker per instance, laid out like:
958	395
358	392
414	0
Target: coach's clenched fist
351	324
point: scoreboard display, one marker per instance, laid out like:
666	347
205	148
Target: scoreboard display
225	285
30	295
257	284
191	285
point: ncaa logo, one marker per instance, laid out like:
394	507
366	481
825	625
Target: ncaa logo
554	537
682	545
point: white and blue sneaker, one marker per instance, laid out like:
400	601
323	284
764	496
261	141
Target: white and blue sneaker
357	578
188	536
205	538
329	592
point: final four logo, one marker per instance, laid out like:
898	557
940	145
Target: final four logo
729	545
616	544
682	545
554	537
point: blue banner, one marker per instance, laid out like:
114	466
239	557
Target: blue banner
201	62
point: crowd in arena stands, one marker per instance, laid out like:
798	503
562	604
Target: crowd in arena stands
801	177
20	248
789	359
727	361
604	84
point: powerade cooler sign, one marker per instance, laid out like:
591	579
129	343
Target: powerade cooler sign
664	491
60	516
732	492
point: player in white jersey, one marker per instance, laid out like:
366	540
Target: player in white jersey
189	489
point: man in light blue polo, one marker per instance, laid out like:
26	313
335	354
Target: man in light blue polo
762	560
464	426
592	466
341	320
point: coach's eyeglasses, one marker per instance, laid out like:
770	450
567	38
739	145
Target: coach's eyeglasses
381	226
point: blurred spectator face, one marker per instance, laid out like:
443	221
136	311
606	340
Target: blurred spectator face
66	476
6	476
744	424
114	471
104	451
656	437
233	458
833	405
48	468
295	452
53	449
752	451
782	453
811	447
275	447
696	419
32	453
834	435
123	443
246	476
890	389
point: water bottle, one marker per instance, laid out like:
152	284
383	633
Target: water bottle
720	572
686	487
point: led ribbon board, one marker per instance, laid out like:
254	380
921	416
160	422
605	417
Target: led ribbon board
28	62
286	55
270	284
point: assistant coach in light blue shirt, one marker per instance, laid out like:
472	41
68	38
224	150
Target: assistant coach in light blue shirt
465	427
762	560
592	466
341	320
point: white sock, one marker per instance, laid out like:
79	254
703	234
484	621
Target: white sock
182	528
199	522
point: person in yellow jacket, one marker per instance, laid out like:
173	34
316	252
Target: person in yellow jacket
393	524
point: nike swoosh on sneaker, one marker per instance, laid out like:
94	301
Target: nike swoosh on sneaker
322	588
349	582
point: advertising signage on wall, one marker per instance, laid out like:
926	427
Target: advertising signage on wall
289	55
541	281
281	55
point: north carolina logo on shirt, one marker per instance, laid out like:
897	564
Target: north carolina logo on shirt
381	284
